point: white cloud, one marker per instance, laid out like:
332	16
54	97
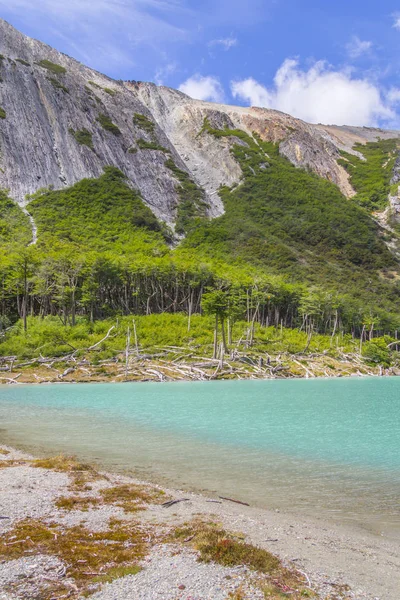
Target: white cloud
226	43
356	47
396	22
203	88
319	95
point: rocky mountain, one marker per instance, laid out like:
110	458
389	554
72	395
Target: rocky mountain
61	121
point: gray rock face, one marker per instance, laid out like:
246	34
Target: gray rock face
42	107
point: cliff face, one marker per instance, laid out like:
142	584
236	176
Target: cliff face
63	121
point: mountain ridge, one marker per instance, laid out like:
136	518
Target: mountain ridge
43	105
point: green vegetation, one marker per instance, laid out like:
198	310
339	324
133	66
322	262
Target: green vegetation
288	221
192	200
93	213
110	92
94	84
53	67
108	125
132	150
144	145
85	553
56	84
2	113
371	177
143	122
14	224
23	62
215	544
291	266
83	137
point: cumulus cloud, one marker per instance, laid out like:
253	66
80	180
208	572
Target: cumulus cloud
226	43
356	47
319	95
203	88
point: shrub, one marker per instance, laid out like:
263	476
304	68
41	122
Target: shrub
143	122
83	137
144	145
53	67
57	85
108	125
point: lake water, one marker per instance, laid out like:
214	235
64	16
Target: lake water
321	447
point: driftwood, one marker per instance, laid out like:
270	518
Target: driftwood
235	501
172	502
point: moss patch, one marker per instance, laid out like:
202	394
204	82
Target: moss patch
2	113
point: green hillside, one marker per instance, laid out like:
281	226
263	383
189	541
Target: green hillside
289	251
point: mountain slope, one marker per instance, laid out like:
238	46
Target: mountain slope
51	101
147	201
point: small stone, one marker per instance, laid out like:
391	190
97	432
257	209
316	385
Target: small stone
181	587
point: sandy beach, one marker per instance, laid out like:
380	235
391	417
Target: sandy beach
331	561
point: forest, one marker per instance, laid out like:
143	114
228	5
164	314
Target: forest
290	252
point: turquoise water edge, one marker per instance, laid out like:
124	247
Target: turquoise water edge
327	447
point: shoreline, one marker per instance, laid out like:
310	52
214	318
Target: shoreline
149	369
340	561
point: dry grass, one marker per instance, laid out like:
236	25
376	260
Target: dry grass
12	463
130	497
215	544
77	502
90	557
82	473
4	452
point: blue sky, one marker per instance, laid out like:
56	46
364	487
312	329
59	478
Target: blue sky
333	62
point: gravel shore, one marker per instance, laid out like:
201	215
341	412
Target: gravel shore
337	562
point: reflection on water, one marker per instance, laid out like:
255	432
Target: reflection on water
327	447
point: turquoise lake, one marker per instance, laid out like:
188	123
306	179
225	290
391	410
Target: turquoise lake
325	447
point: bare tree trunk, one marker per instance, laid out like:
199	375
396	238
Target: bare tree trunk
136	337
362	338
225	347
215	337
128	342
190	309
